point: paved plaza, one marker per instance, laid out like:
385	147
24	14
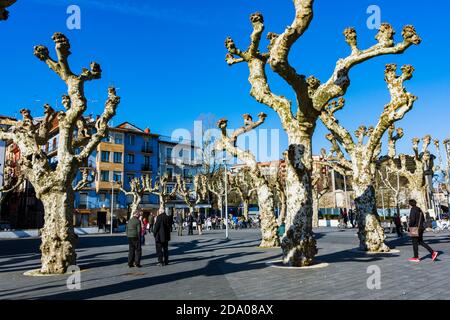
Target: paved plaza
210	267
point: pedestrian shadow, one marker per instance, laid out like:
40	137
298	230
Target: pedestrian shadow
214	267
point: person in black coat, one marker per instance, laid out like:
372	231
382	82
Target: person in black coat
162	237
417	220
190	221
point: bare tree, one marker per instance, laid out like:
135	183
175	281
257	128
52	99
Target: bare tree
321	185
4	14
242	183
444	169
216	185
265	195
363	154
387	169
54	187
192	197
277	181
138	188
298	244
160	189
422	162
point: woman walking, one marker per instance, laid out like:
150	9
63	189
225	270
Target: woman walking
416	229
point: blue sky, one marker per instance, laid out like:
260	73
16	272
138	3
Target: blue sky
167	58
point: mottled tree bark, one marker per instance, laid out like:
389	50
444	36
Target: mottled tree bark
54	186
364	155
311	98
58	236
264	193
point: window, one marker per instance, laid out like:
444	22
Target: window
169	153
117	157
130	177
186	173
169	172
169	189
118	138
102	197
104	176
147	160
130	158
117	176
131	139
105	156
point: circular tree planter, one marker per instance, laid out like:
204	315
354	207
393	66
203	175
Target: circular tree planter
392	251
37	273
279	264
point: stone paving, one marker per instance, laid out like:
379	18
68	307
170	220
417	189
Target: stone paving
210	267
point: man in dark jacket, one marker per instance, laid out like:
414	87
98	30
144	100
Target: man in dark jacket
190	222
417	220
133	232
162	237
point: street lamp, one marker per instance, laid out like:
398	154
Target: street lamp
226	196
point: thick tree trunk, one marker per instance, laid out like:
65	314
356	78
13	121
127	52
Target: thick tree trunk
245	204
282	217
298	243
371	234
315	219
58	236
269	226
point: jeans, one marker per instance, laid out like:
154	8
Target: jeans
134	251
419	240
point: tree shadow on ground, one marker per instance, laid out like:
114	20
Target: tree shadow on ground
213	268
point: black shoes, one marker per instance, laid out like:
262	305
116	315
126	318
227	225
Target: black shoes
137	265
159	264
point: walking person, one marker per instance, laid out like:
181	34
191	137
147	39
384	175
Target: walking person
416	229
398	225
144	224
151	222
351	216
199	222
190	222
133	232
162	238
179	220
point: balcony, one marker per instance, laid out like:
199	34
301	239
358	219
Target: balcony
147	149
146	167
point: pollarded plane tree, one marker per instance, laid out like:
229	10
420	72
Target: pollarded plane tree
216	185
242	183
264	193
160	188
422	165
321	184
192	196
139	186
444	169
365	151
278	184
387	169
4	14
299	245
54	187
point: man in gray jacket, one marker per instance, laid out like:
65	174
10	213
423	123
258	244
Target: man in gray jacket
133	234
